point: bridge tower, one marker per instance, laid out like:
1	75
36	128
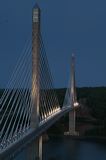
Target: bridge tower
74	103
36	146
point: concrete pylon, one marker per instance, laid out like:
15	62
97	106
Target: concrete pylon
72	114
35	148
35	65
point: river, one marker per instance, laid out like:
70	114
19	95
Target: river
68	149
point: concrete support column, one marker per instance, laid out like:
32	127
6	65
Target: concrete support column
35	148
72	114
72	117
35	66
34	151
38	148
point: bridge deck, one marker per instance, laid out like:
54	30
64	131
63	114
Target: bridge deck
32	134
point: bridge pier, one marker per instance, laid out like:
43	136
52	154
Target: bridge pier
72	118
38	148
73	101
72	123
34	151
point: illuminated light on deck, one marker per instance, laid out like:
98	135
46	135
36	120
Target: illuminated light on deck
58	109
76	104
49	113
52	111
55	110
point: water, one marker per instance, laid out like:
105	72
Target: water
68	149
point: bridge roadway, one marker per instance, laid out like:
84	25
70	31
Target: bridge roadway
31	135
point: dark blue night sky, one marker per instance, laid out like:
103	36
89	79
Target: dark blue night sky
67	26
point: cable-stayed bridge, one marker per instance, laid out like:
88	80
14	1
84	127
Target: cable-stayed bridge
29	105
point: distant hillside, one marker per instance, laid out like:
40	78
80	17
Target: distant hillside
95	99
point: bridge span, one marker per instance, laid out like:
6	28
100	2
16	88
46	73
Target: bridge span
29	105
